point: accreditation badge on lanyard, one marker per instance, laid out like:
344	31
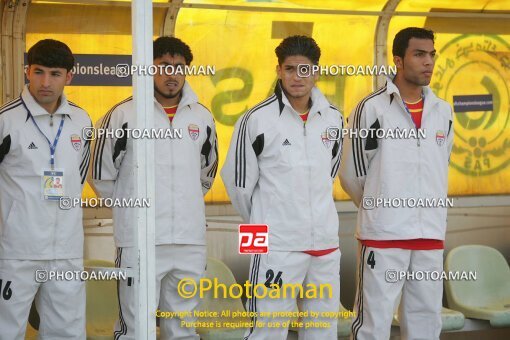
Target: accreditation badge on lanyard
52	184
52	180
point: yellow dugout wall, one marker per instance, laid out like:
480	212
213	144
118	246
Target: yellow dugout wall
471	59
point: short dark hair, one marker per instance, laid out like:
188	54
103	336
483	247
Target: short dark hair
401	40
172	46
298	45
51	53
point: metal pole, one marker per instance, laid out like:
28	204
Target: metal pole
143	93
380	41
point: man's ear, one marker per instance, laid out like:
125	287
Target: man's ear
279	71
69	77
399	62
27	72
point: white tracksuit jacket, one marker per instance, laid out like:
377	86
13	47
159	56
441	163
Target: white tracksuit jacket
398	168
32	228
184	170
280	172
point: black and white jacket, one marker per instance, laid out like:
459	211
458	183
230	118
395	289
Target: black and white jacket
32	228
185	169
398	168
280	171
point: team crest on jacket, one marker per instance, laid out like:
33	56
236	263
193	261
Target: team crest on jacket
193	131
76	142
440	137
325	139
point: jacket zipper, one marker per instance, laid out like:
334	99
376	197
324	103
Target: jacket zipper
172	212
55	232
309	186
413	125
418	143
55	224
419	169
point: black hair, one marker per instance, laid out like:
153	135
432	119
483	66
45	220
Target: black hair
51	53
172	46
401	40
298	45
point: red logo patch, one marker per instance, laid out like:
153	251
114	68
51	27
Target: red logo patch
76	142
193	131
253	239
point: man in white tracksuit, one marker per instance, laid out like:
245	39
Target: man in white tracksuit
280	168
42	158
395	239
185	169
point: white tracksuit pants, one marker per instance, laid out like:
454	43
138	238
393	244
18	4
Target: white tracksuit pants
173	263
294	268
379	289
60	303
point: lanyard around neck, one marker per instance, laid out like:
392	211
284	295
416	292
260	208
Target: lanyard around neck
53	146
